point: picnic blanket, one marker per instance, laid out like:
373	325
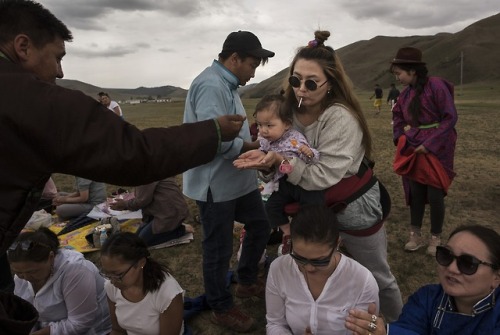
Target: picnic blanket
76	238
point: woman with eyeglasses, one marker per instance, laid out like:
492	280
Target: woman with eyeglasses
143	298
327	111
312	289
65	288
465	302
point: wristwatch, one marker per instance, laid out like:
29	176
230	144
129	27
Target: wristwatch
285	166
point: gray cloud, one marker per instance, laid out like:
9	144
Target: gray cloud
188	34
98	14
94	50
419	14
166	50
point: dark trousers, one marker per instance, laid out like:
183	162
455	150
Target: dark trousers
146	233
420	195
286	194
217	219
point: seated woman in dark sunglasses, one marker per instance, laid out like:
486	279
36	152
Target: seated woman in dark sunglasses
466	300
65	288
312	289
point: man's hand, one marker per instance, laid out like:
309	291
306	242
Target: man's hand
230	126
256	159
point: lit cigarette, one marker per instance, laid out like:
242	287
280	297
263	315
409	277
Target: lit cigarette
300	103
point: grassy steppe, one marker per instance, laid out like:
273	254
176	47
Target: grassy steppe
474	196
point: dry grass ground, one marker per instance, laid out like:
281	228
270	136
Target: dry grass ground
474	196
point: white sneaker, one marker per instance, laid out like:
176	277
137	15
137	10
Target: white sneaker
433	243
415	242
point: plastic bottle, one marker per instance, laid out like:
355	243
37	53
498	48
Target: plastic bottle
96	239
115	224
103	237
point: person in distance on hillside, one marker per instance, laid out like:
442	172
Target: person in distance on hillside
214	93
112	105
426	104
465	302
378	94
46	128
393	95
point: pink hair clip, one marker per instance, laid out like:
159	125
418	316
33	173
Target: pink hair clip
313	43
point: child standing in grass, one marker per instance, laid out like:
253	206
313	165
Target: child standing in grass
426	105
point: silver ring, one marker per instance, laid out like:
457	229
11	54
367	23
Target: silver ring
372	326
374	318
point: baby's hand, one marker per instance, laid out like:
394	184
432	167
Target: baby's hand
305	150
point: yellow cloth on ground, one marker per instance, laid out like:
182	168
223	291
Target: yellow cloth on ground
76	239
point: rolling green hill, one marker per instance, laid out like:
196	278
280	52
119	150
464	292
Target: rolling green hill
367	62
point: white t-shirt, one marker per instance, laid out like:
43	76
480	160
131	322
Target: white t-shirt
112	106
143	317
291	308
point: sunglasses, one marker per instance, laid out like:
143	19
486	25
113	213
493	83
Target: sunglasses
26	245
310	84
119	277
466	264
320	262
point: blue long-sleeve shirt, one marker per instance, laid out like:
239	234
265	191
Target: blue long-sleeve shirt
212	94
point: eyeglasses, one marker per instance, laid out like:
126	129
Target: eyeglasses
119	277
310	84
26	245
466	264
320	262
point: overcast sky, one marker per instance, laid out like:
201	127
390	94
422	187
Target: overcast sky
132	43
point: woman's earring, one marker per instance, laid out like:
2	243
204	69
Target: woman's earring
329	92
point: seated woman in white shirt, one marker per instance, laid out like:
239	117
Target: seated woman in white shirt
65	288
143	297
312	289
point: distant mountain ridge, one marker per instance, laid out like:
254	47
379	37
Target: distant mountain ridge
367	62
124	94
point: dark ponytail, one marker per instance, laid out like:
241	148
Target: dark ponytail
131	248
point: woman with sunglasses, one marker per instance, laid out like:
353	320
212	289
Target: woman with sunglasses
65	288
464	302
327	111
312	289
143	298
